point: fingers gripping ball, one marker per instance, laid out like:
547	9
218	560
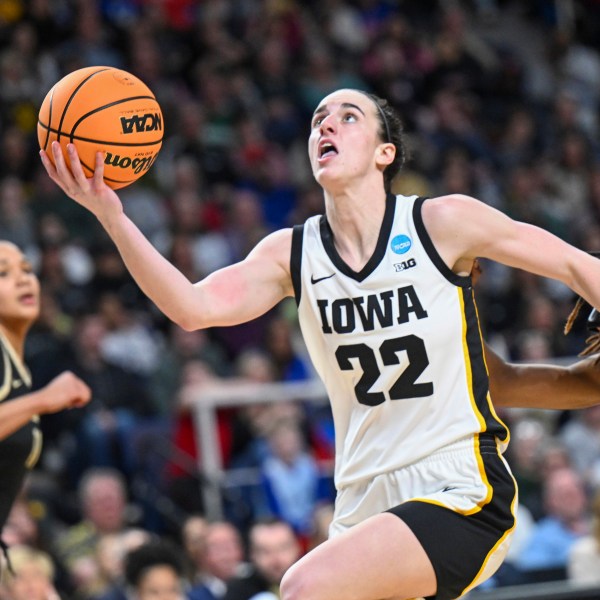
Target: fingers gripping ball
108	110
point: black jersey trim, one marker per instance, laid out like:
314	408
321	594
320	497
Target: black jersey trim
479	376
296	261
436	259
380	248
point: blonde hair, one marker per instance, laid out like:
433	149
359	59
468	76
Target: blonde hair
21	556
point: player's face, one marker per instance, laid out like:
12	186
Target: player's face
19	286
344	138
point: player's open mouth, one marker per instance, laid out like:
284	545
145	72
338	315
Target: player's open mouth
28	299
326	150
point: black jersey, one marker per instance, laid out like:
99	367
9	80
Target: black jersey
19	451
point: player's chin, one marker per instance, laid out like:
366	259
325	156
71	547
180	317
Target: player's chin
29	312
327	177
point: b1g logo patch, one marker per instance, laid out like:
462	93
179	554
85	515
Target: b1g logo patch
406	264
401	244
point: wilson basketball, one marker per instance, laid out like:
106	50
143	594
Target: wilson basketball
104	109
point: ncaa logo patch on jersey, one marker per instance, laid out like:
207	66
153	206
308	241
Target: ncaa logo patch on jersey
400	244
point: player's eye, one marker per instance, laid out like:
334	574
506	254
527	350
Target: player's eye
349	117
317	120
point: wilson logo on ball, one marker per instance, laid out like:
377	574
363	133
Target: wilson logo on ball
141	123
124	162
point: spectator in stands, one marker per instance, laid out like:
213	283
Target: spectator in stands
290	477
546	553
528	436
193	537
251	423
581	436
182	346
273	549
583	566
16	220
103	503
31	577
289	364
130	341
221	560
155	570
106	428
111	550
182	478
20	529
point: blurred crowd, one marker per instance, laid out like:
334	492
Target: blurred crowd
500	101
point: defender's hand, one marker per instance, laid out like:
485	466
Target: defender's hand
64	391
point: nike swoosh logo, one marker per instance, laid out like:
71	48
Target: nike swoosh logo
313	280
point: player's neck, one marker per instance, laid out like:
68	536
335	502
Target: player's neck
16	339
355	218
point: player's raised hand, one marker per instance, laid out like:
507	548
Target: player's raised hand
64	391
91	192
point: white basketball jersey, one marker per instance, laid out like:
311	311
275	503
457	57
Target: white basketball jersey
397	344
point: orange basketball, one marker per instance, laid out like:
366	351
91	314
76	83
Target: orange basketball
104	109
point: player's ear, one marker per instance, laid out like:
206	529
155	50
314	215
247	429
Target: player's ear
385	153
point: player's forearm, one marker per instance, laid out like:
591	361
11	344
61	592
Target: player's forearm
584	384
549	386
165	285
14	414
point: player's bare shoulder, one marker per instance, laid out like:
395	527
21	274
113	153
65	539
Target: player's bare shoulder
446	209
448	221
275	251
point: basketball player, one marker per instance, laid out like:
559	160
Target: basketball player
20	436
425	502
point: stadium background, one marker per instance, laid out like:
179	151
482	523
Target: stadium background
500	101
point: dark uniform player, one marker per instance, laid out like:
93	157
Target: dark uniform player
20	436
20	450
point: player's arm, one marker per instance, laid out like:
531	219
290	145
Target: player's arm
64	391
232	295
543	386
463	228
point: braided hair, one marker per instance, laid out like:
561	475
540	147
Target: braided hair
593	325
